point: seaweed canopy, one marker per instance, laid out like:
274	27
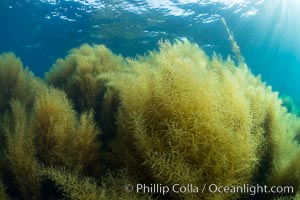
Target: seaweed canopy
60	137
76	74
15	82
186	118
174	116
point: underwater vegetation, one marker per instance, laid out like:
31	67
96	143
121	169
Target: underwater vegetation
100	121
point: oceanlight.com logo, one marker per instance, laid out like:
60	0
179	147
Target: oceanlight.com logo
250	189
208	188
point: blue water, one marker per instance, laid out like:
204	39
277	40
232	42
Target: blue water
40	31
